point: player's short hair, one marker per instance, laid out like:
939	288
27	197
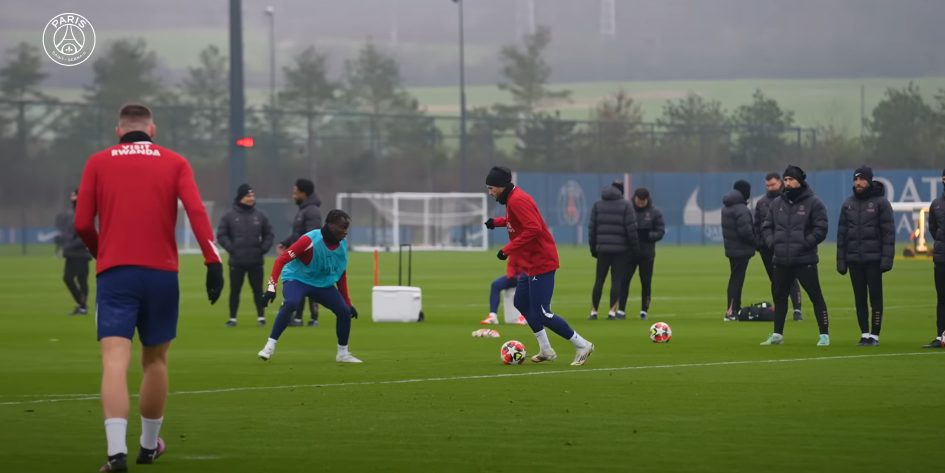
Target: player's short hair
772	175
305	186
134	113
337	216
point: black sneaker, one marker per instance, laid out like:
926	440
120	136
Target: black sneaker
935	343
117	462
864	341
147	456
260	322
593	316
872	342
230	323
643	315
611	316
797	315
312	323
295	323
621	315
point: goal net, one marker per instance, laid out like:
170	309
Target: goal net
919	211
427	221
186	241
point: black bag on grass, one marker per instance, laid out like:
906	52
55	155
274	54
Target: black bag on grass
757	312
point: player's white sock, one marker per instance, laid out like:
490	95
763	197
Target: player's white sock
864	335
115	430
493	315
232	319
611	314
874	337
578	341
150	428
342	349
620	312
543	344
593	312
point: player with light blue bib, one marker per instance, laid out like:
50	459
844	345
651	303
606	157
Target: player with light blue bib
314	266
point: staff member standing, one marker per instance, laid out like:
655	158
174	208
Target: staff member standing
937	229
796	224
739	238
76	271
307	219
244	232
612	234
866	242
773	187
650	229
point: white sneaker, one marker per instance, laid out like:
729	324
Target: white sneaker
545	356
521	320
582	354
267	352
347	358
489	320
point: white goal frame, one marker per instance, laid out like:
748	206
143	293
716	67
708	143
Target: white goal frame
426	243
186	241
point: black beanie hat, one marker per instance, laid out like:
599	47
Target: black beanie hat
242	190
641	193
744	187
795	172
865	172
619	185
499	177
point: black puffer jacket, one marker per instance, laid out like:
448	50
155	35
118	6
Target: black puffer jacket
737	231
308	219
72	245
866	232
650	228
762	206
794	228
613	224
937	228
244	232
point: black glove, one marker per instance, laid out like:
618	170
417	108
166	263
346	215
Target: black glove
270	294
885	265
354	312
841	267
490	224
502	256
214	281
593	253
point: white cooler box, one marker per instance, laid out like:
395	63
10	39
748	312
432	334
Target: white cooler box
396	304
510	313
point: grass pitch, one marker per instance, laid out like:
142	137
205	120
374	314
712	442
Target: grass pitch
431	398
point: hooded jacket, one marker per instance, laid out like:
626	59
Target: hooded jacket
613	224
244	232
794	228
937	228
650	228
72	245
738	233
866	232
307	219
762	206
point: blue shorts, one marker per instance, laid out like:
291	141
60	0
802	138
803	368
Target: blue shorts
129	297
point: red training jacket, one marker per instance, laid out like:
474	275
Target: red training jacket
133	188
530	242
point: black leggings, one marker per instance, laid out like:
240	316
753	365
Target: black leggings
940	291
76	276
766	256
868	279
255	275
646	282
736	280
617	264
806	274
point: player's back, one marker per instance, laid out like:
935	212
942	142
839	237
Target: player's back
136	187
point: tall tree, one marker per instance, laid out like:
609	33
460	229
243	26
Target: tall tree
616	131
902	128
695	133
22	75
526	74
126	72
760	126
206	93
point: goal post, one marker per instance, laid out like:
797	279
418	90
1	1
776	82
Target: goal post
184	232
920	214
438	221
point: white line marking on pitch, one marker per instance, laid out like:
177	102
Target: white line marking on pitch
90	397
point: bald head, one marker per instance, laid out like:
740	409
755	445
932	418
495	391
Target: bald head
135	117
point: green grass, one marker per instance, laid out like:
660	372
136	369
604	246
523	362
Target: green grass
431	398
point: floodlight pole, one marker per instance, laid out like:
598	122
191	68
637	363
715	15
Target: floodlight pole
462	99
237	99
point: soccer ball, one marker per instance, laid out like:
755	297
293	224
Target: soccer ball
661	332
512	352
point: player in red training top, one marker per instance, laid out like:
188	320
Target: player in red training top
133	188
534	251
